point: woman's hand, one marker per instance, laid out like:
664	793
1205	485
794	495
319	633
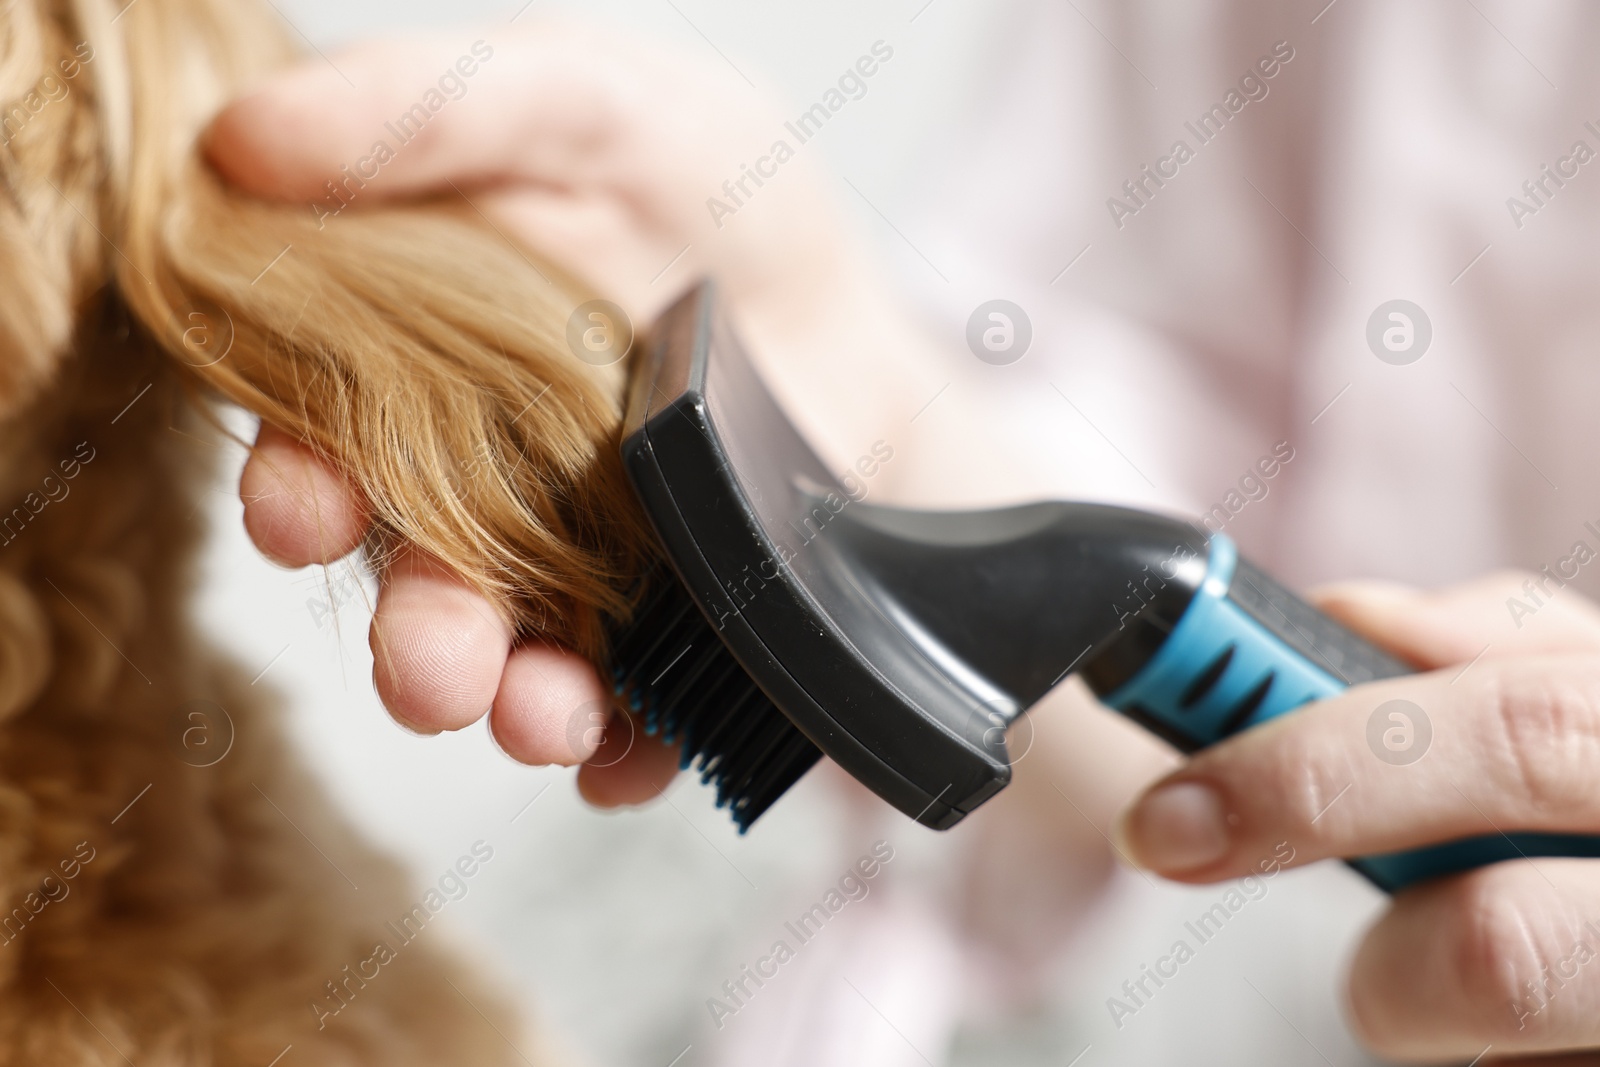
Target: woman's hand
1506	956
442	657
601	156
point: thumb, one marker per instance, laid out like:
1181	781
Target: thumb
384	112
563	104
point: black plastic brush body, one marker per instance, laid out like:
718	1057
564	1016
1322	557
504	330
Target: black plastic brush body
792	621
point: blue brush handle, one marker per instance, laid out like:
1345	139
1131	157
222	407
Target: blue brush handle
1247	650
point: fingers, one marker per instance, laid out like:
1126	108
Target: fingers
1505	613
1515	745
550	708
1507	957
285	139
1509	743
297	510
595	152
553	708
442	655
438	647
288	138
629	767
552	101
442	658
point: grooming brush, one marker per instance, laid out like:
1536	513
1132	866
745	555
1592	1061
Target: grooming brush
790	621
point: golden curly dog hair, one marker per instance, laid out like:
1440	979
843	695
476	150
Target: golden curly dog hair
163	914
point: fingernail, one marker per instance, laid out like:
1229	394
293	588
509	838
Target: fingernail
1177	828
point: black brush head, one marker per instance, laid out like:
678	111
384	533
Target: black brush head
673	671
791	615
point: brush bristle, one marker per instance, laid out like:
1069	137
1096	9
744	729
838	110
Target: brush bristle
674	671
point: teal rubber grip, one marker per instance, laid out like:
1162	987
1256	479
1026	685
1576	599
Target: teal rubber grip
1247	650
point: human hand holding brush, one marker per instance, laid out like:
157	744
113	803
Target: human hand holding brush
599	155
1499	957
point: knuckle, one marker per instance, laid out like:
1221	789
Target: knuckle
1545	725
1304	778
1497	951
